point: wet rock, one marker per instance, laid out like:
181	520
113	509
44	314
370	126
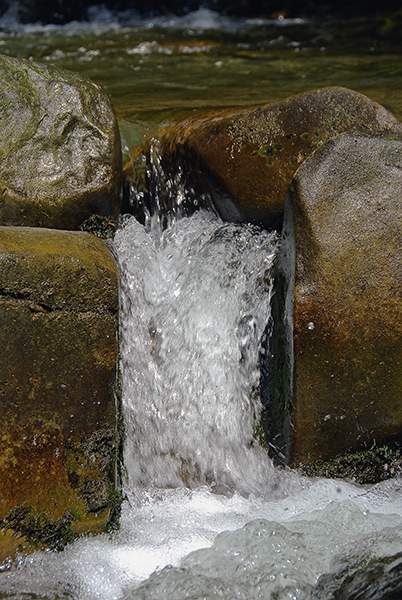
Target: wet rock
60	156
252	153
58	446
338	379
364	466
367	579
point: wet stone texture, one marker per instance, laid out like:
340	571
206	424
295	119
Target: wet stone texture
60	156
340	293
58	311
248	156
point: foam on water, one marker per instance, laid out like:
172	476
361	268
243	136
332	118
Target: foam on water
266	559
100	19
263	546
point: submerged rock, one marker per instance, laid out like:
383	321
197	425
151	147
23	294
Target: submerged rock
252	153
337	304
58	313
60	156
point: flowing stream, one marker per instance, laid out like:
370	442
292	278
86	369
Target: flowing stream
206	515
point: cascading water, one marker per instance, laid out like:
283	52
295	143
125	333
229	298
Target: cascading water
196	300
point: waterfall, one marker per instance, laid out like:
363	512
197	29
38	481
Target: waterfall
195	299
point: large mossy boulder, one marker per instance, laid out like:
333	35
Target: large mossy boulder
58	442
336	385
60	155
253	153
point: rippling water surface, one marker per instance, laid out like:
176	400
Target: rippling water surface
206	514
158	69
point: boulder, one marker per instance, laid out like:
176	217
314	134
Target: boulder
60	155
336	384
253	153
58	442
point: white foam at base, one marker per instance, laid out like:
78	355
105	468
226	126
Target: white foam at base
332	519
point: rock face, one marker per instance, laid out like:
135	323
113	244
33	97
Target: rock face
58	313
253	153
60	156
339	294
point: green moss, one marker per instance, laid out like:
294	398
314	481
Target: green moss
115	502
365	466
115	495
268	152
38	529
259	436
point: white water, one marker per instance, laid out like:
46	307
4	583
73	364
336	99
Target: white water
195	300
101	19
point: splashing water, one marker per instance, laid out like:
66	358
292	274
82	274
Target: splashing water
196	299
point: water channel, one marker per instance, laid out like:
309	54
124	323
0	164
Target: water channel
206	513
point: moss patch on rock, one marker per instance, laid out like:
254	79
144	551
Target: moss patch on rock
38	530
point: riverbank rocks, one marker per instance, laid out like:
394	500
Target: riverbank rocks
58	441
338	381
60	155
252	153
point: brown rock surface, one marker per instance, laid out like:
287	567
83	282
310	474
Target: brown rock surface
254	152
340	290
58	313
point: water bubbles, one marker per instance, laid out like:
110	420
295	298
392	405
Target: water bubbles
207	286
